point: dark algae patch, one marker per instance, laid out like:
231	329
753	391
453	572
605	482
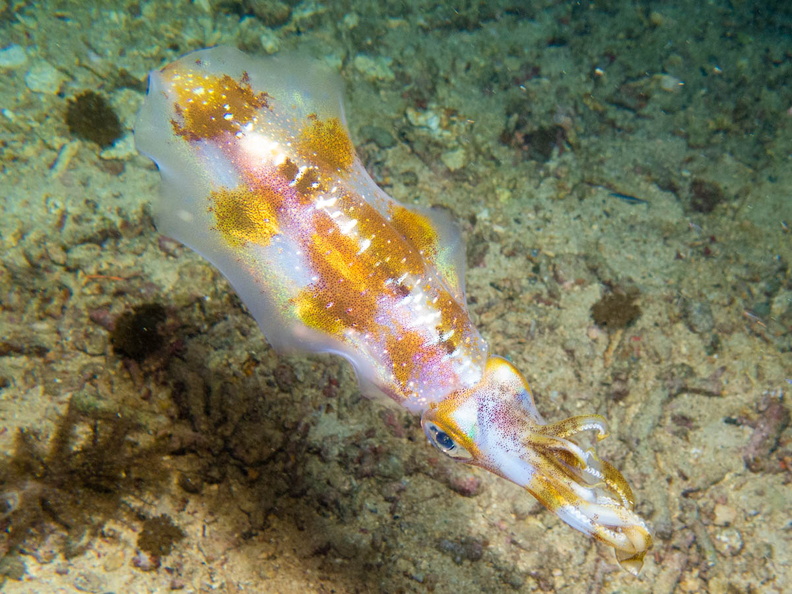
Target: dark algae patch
136	334
76	480
89	116
616	309
159	535
705	196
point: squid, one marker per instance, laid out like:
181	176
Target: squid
260	177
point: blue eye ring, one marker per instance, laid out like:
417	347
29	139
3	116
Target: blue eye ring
444	440
445	443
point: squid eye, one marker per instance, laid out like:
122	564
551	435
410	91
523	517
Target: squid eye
445	443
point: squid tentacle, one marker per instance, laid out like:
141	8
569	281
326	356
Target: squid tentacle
585	491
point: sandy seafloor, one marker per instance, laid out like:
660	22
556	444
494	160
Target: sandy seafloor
282	477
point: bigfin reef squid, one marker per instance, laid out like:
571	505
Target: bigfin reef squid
260	177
